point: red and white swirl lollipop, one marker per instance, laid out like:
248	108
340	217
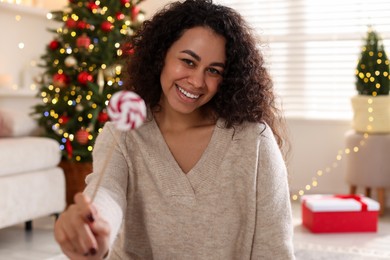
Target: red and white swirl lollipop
127	110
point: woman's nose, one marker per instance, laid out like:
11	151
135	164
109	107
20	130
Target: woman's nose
197	79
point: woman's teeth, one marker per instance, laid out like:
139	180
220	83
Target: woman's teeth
187	94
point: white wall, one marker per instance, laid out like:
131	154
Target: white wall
314	146
16	70
151	6
50	4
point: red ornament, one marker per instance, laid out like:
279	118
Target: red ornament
123	2
106	26
84	77
63	119
69	148
103	117
92	6
82	25
53	45
82	136
119	16
127	49
70	23
134	13
60	80
83	41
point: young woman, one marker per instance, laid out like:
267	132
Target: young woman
204	177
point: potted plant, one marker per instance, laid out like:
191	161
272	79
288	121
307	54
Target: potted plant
372	104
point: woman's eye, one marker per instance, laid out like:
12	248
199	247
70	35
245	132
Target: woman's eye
188	62
214	71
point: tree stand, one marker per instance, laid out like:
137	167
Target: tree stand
75	173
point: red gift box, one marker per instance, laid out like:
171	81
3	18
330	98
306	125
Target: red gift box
339	213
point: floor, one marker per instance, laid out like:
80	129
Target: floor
16	244
342	246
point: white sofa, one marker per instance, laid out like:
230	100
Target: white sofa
31	183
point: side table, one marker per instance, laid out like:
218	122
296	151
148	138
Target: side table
369	167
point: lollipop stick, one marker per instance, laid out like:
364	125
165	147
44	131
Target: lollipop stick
128	111
101	173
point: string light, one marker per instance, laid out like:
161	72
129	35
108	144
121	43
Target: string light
110	19
339	157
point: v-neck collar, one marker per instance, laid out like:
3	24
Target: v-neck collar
202	176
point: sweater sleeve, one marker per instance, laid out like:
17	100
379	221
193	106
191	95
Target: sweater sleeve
110	199
274	231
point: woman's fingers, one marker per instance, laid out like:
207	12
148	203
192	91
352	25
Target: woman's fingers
87	210
62	239
101	231
73	231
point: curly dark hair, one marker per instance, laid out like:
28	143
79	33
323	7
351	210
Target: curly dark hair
246	92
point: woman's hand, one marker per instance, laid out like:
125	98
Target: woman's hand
80	232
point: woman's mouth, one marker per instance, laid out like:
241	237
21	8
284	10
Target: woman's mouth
187	94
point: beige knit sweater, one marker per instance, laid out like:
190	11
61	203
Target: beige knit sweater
234	203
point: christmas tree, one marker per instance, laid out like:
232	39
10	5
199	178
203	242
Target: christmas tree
82	69
372	71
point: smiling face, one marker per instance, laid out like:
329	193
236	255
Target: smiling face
193	69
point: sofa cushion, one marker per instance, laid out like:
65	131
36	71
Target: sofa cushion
16	123
28	154
30	195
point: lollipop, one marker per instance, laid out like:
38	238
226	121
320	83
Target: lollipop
128	111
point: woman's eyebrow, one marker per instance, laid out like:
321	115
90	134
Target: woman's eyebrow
196	57
193	54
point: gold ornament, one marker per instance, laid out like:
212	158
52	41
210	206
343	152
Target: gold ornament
70	61
100	80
